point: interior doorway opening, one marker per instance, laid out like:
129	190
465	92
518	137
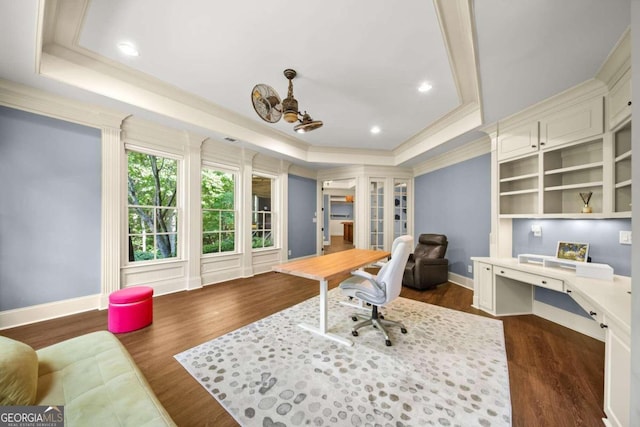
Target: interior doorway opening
339	215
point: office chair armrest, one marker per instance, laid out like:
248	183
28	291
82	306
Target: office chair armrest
370	277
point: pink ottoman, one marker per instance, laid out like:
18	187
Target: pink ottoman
130	309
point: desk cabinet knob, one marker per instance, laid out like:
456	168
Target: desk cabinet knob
629	103
568	291
592	313
501	271
602	325
544	282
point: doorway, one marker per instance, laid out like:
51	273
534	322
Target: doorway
339	215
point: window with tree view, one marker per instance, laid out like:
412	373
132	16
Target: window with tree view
261	221
218	211
153	213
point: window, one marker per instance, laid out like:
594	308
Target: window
218	211
262	216
152	205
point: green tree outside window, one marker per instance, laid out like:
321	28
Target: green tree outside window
218	211
152	205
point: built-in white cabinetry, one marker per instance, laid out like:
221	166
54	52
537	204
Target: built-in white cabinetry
518	140
548	183
571	170
617	374
544	164
583	120
484	285
519	186
573	123
622	169
620	100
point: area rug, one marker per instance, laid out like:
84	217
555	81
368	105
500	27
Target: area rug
450	369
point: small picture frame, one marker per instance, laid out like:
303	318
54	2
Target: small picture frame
573	251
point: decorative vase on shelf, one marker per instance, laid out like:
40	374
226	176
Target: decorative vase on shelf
586	197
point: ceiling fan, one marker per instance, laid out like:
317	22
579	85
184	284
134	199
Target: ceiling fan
271	109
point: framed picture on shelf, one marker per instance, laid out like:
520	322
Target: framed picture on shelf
573	251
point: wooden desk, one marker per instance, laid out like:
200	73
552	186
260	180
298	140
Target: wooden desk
324	268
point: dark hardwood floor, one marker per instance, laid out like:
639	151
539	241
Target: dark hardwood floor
556	375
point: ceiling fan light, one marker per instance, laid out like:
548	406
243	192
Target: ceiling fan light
307	124
291	116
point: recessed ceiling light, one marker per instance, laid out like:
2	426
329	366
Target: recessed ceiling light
128	49
375	130
424	87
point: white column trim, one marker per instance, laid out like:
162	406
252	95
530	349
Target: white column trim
111	210
193	206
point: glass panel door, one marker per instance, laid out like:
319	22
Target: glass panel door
376	230
400	204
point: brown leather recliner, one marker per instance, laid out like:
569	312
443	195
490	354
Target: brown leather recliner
427	267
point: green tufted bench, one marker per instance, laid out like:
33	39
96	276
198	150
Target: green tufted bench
92	376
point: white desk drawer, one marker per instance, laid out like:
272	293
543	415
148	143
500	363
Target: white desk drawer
532	279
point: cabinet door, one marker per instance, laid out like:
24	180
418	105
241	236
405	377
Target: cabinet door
484	286
518	140
617	376
620	100
572	124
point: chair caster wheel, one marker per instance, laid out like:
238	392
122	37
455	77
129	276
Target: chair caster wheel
354	333
354	318
388	343
403	330
381	316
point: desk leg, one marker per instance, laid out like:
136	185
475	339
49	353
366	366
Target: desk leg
322	330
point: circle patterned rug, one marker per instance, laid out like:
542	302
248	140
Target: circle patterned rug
450	369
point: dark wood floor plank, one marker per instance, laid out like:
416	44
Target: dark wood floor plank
556	375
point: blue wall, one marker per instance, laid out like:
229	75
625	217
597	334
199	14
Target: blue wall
302	207
456	201
50	209
601	234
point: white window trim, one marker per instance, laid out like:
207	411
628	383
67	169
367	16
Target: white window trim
236	201
180	187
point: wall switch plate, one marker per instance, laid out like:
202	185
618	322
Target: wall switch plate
625	237
289	252
470	268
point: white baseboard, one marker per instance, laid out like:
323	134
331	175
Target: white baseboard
51	310
569	320
463	281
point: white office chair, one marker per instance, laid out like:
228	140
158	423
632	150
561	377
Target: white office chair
381	288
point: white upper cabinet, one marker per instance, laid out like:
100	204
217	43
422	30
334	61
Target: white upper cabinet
518	140
561	126
620	100
577	122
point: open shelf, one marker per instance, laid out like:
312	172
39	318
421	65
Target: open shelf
574	186
576	168
622	169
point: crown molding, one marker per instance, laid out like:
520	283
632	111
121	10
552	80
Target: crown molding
36	101
581	92
468	151
62	58
618	61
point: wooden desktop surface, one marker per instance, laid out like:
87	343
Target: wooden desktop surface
325	267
